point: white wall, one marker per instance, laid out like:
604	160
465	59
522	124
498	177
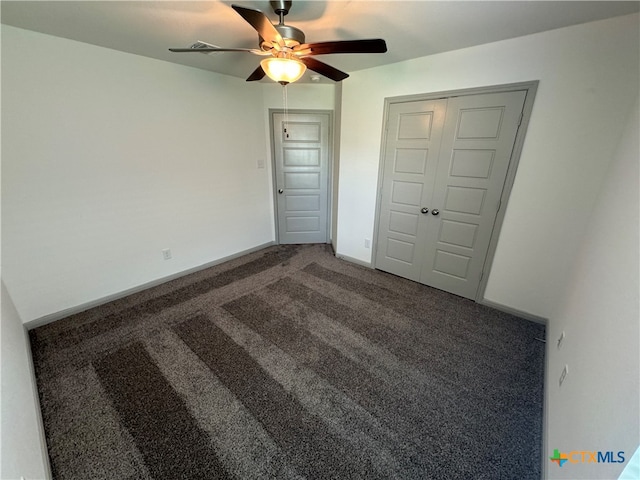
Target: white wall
588	75
308	96
108	158
23	452
598	405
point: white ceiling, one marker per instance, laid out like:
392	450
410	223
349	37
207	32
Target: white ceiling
411	28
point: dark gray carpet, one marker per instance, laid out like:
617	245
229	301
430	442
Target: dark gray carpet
289	363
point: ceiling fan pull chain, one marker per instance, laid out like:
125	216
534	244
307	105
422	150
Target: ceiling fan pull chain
285	101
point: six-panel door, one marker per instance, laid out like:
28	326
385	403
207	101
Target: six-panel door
301	146
461	187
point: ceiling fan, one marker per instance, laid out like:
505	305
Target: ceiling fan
287	54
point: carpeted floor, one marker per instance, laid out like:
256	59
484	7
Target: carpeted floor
290	363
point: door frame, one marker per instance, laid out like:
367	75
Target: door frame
531	88
274	180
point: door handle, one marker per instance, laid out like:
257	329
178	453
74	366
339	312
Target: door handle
435	211
280	191
424	210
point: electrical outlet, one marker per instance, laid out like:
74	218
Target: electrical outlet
560	339
261	163
563	375
166	254
367	243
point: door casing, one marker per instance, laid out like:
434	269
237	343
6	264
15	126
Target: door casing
274	180
531	88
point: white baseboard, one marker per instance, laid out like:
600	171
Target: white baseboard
545	412
514	311
52	317
36	398
354	260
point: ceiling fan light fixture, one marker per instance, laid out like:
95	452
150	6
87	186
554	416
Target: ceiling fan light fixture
283	70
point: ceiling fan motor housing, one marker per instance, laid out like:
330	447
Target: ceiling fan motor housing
292	36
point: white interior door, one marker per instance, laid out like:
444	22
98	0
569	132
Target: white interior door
414	134
460	191
301	155
477	143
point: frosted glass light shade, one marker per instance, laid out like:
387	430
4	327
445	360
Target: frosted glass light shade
283	70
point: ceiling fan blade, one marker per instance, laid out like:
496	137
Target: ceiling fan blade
324	69
218	49
258	74
373	45
261	23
